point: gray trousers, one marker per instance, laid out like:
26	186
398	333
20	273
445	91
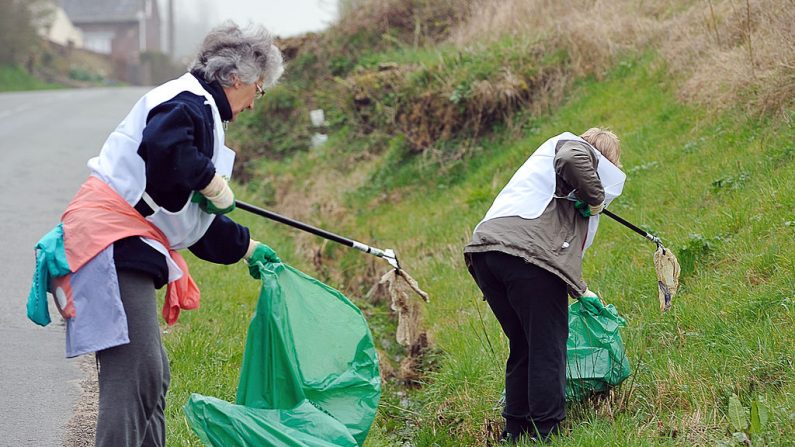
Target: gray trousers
134	378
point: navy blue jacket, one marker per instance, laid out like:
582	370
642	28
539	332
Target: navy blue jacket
177	147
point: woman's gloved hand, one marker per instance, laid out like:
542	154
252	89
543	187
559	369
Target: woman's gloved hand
589	293
587	210
216	197
259	253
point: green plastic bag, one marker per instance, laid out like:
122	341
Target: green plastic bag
595	355
309	376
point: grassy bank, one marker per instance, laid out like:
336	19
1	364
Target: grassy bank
717	189
432	106
13	78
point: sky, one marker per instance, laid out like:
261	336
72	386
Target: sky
283	17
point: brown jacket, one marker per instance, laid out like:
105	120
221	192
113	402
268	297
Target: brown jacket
553	241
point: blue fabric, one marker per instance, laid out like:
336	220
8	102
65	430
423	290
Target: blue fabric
50	262
225	242
177	146
100	321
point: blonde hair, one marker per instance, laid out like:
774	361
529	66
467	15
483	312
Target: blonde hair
605	142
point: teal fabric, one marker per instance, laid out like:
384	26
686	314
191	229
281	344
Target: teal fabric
595	356
583	208
50	263
310	372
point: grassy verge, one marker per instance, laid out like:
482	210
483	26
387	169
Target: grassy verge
718	190
17	79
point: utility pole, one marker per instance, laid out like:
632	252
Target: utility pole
171	34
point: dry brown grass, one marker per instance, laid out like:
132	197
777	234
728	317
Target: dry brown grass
736	52
725	52
416	22
593	33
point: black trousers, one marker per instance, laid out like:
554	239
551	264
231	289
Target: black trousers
531	305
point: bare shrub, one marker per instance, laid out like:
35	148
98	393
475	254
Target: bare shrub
434	115
454	98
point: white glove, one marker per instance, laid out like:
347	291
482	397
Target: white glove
588	293
596	209
219	193
252	244
588	210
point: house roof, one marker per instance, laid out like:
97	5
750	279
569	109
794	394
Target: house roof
83	11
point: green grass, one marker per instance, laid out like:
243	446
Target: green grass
13	78
718	190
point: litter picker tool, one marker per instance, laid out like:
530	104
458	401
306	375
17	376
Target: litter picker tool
387	254
632	227
665	263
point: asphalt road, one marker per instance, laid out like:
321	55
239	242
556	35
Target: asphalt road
46	137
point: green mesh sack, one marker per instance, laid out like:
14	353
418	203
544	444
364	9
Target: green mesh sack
309	376
595	355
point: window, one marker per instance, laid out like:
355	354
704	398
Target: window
98	41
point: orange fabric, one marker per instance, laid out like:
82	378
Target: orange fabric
97	217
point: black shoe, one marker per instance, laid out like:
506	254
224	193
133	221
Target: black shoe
544	437
508	438
541	438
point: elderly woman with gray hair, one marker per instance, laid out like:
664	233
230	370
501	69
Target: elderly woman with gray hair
159	185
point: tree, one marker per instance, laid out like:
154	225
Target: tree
345	7
18	24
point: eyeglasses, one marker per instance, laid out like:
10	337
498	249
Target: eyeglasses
260	91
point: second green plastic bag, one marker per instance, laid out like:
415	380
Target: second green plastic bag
595	355
309	376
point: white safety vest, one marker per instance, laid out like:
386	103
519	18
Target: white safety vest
532	187
120	166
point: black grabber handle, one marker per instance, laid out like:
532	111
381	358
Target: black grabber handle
387	254
294	223
632	227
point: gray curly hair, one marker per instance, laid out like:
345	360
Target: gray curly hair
248	54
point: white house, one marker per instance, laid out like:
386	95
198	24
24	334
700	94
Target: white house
56	27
